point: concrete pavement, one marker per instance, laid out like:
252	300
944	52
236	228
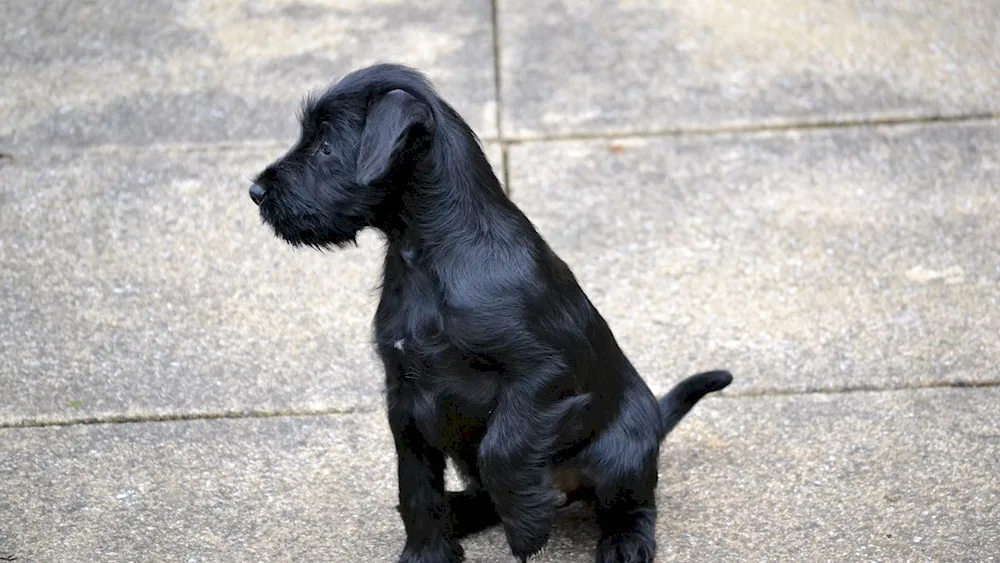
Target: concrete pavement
806	192
886	476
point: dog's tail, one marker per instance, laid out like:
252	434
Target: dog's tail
675	404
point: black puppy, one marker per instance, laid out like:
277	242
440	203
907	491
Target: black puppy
493	354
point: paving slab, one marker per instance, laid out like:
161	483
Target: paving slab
820	260
897	476
600	66
158	71
894	476
141	283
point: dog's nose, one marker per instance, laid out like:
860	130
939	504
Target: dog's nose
257	193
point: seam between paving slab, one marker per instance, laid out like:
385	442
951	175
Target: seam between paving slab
498	96
7	156
860	389
307	413
497	50
182	416
764	127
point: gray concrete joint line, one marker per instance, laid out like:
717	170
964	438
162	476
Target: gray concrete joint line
180	417
497	89
505	169
858	389
754	129
110	148
10	157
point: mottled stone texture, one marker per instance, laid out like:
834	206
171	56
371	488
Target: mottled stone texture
680	155
602	66
823	260
142	283
907	475
158	71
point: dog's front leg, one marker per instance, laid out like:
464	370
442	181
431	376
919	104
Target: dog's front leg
515	469
422	504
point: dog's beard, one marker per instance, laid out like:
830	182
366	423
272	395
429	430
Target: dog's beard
308	229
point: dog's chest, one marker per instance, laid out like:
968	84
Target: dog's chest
409	313
448	392
446	397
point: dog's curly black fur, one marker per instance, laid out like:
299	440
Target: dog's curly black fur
494	356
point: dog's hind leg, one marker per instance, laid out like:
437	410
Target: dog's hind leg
515	461
622	466
519	482
626	514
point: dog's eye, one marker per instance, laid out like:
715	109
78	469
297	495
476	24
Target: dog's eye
325	148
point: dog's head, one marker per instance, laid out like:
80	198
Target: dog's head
359	140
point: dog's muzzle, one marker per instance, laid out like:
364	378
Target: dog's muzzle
257	193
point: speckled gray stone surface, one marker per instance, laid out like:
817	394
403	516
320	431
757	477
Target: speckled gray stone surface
890	476
137	283
906	475
598	66
157	71
142	283
849	258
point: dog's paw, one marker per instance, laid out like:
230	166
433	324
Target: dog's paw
443	550
626	548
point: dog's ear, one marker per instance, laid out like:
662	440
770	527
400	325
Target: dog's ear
392	118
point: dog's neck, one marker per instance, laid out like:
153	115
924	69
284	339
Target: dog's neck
449	198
